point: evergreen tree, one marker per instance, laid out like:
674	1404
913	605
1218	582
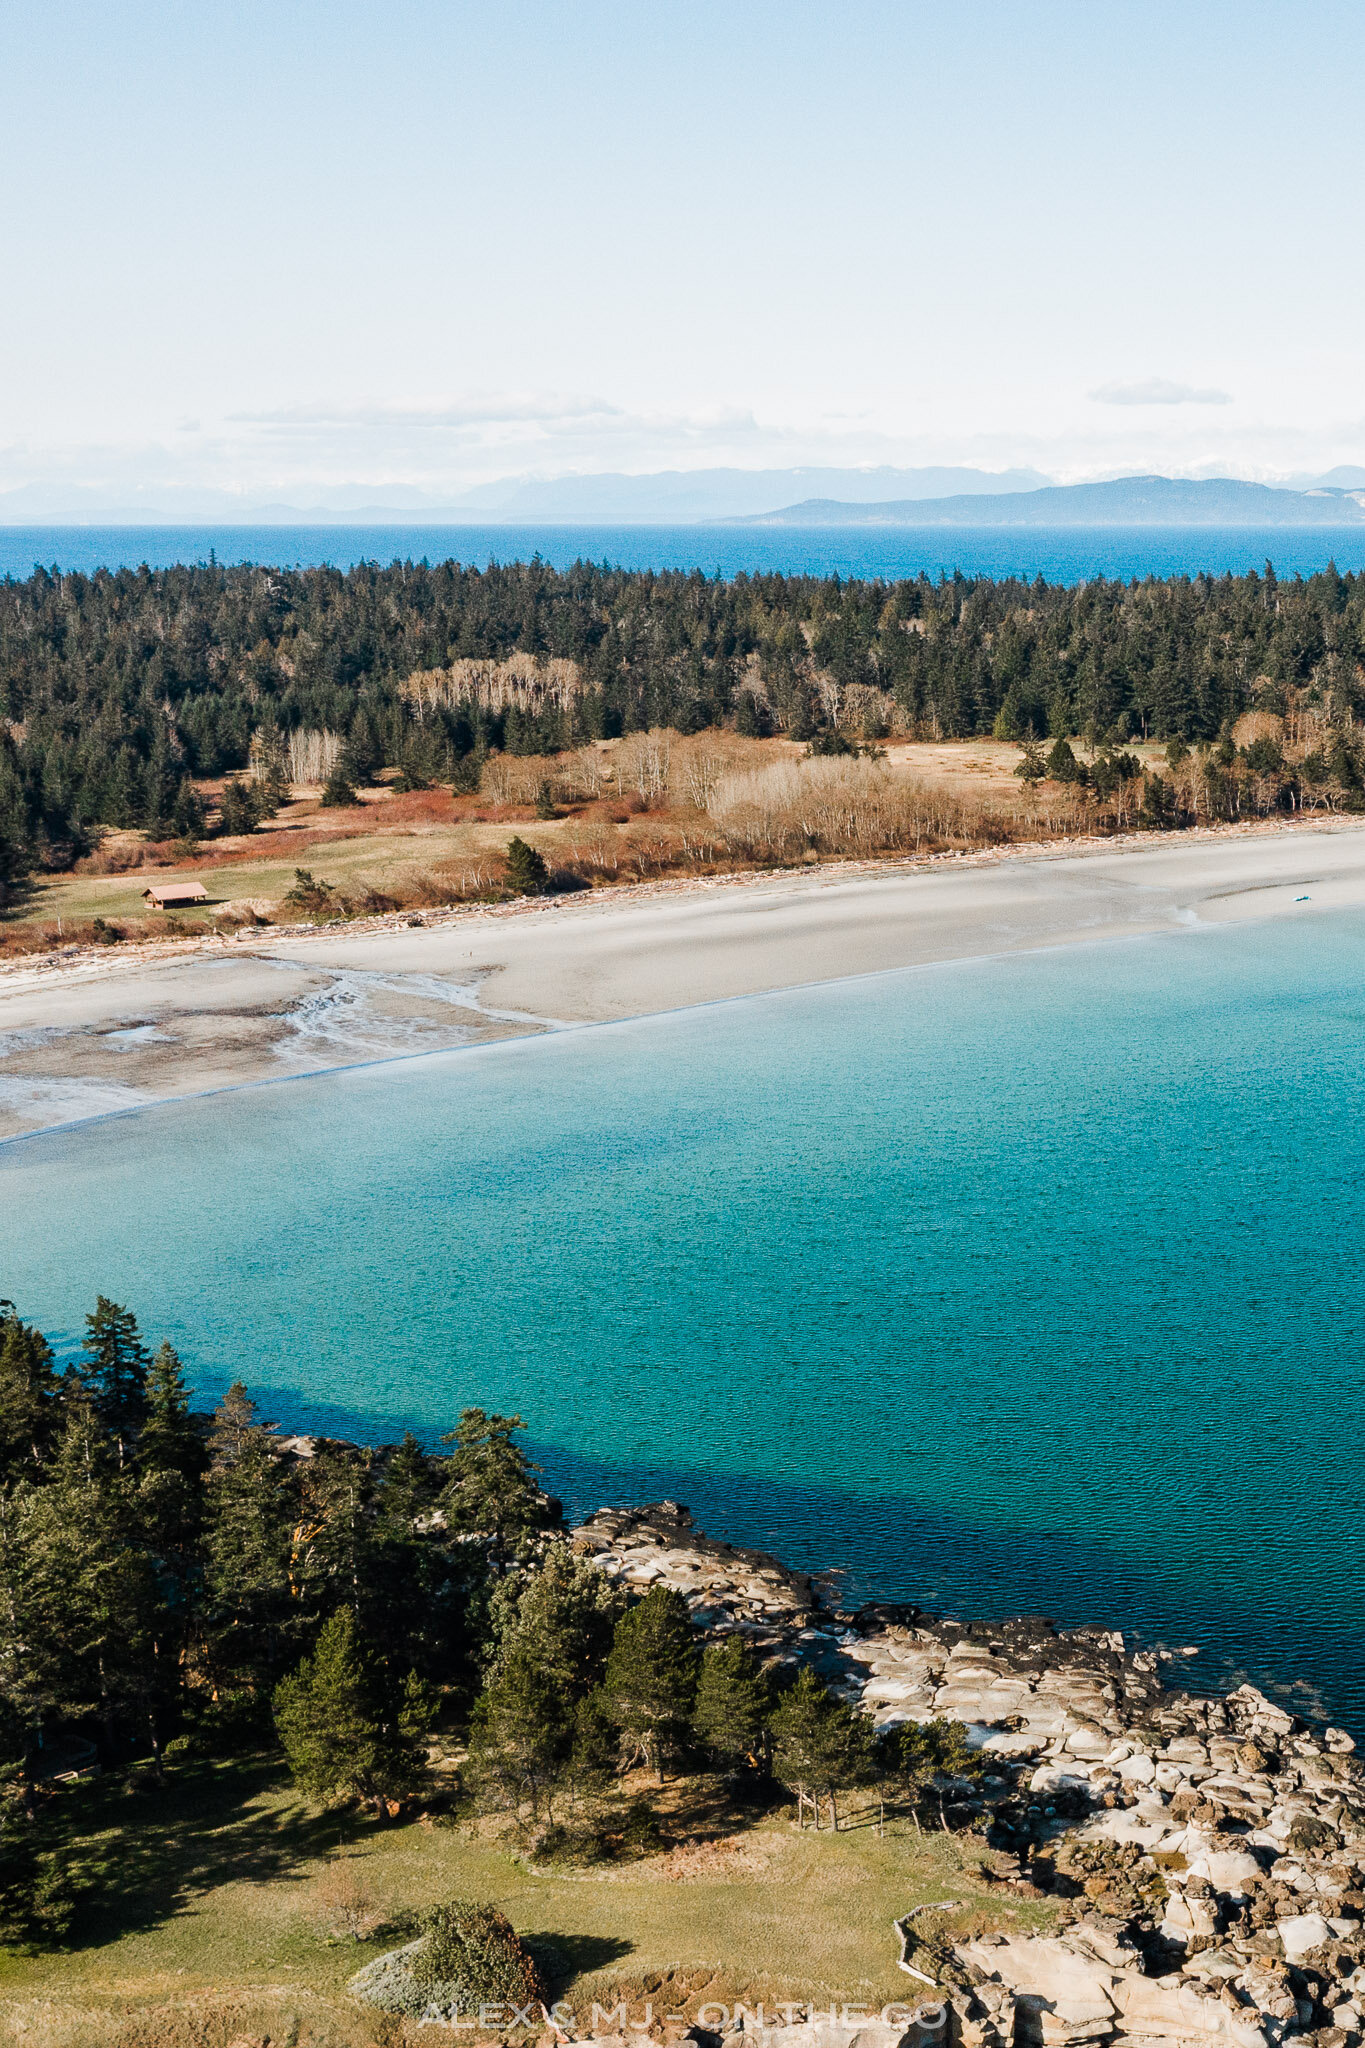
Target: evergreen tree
85	1591
172	1458
426	1589
169	1440
276	790
734	1709
343	1738
651	1679
28	1396
522	1734
34	1666
238	807
335	1534
247	1546
115	1371
1010	718
1158	803
38	1897
187	814
562	1615
819	1744
363	753
160	787
527	873
1062	764
408	1489
491	1489
338	791
310	894
906	1753
929	1754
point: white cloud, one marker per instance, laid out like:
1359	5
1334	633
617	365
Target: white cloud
1158	391
545	409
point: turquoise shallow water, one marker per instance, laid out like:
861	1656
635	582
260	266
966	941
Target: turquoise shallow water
1018	1284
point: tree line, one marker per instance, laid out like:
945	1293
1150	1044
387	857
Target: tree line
177	1586
118	689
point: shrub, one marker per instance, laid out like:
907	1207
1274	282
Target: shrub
310	894
346	1908
559	1844
473	1953
641	1832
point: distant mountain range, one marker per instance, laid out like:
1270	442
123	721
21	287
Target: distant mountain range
804	497
674	497
688	496
1127	501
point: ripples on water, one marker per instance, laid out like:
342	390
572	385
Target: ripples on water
1026	1284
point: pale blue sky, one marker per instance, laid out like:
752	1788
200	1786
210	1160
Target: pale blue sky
266	246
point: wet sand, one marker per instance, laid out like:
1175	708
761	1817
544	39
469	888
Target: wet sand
78	1038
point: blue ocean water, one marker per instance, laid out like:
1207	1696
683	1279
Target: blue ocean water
1021	1284
1059	554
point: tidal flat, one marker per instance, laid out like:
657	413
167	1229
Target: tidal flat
102	1033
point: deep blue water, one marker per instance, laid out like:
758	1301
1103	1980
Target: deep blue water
1031	1283
1059	554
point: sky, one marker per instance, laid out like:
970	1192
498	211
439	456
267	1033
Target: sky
299	247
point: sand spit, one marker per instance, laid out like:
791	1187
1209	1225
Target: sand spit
83	1035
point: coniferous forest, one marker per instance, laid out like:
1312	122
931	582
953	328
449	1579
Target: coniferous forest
118	690
179	1589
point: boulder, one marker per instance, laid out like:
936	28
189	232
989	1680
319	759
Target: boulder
1230	1871
1174	2007
1251	1706
1047	1976
1048	1779
1301	1933
1128	1824
1020	1744
1187	1920
1090	1740
1138	1769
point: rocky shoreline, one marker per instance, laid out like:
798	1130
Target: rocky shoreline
1209	1852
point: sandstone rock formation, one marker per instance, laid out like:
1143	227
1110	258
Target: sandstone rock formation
1210	1851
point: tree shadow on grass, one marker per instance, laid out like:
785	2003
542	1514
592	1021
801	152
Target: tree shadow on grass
562	1957
145	1856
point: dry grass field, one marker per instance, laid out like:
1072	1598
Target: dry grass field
626	810
219	1917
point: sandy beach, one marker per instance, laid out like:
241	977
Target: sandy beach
84	1037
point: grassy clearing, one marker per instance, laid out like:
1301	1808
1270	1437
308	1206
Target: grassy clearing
377	860
213	1914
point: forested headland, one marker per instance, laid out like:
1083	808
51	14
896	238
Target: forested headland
123	693
401	1626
